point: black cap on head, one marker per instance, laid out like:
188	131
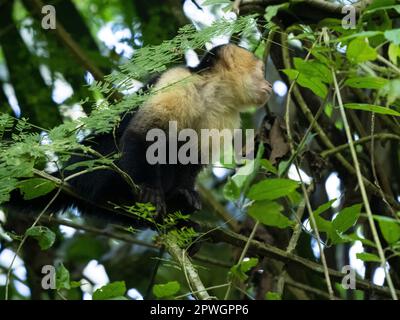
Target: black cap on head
209	59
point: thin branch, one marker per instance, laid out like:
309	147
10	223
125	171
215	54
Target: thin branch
295	284
362	188
378	136
388	63
100	232
24	239
293	241
260	153
315	228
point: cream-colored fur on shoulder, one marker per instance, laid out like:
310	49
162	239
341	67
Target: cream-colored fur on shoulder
193	101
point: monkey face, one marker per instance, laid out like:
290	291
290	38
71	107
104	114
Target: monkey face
261	88
258	90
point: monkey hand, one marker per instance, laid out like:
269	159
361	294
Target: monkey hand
185	200
155	196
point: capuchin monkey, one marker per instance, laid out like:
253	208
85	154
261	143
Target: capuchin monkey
228	80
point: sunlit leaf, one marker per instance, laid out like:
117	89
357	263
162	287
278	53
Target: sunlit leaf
43	235
269	213
372	108
359	50
366	82
167	289
368	257
110	291
35	187
271	189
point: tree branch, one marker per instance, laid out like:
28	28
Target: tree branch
266	250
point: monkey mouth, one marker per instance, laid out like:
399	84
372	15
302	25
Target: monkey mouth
264	96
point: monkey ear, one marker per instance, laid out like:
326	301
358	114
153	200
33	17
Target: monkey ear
228	56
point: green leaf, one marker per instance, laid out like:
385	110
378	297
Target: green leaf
364	34
323	207
364	256
212	2
167	289
75	284
271	11
356	237
393	36
314	84
239	270
231	191
271	189
291	73
390	229
323	224
360	51
89	164
372	108
110	291
346	218
272	296
379	5
313	69
246	265
391	91
35	187
393	53
43	235
366	82
269	213
267	165
62	278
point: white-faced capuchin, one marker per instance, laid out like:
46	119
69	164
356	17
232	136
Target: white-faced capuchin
227	81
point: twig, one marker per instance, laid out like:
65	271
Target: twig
315	228
24	239
260	153
362	188
295	284
100	232
373	167
293	241
388	63
378	136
